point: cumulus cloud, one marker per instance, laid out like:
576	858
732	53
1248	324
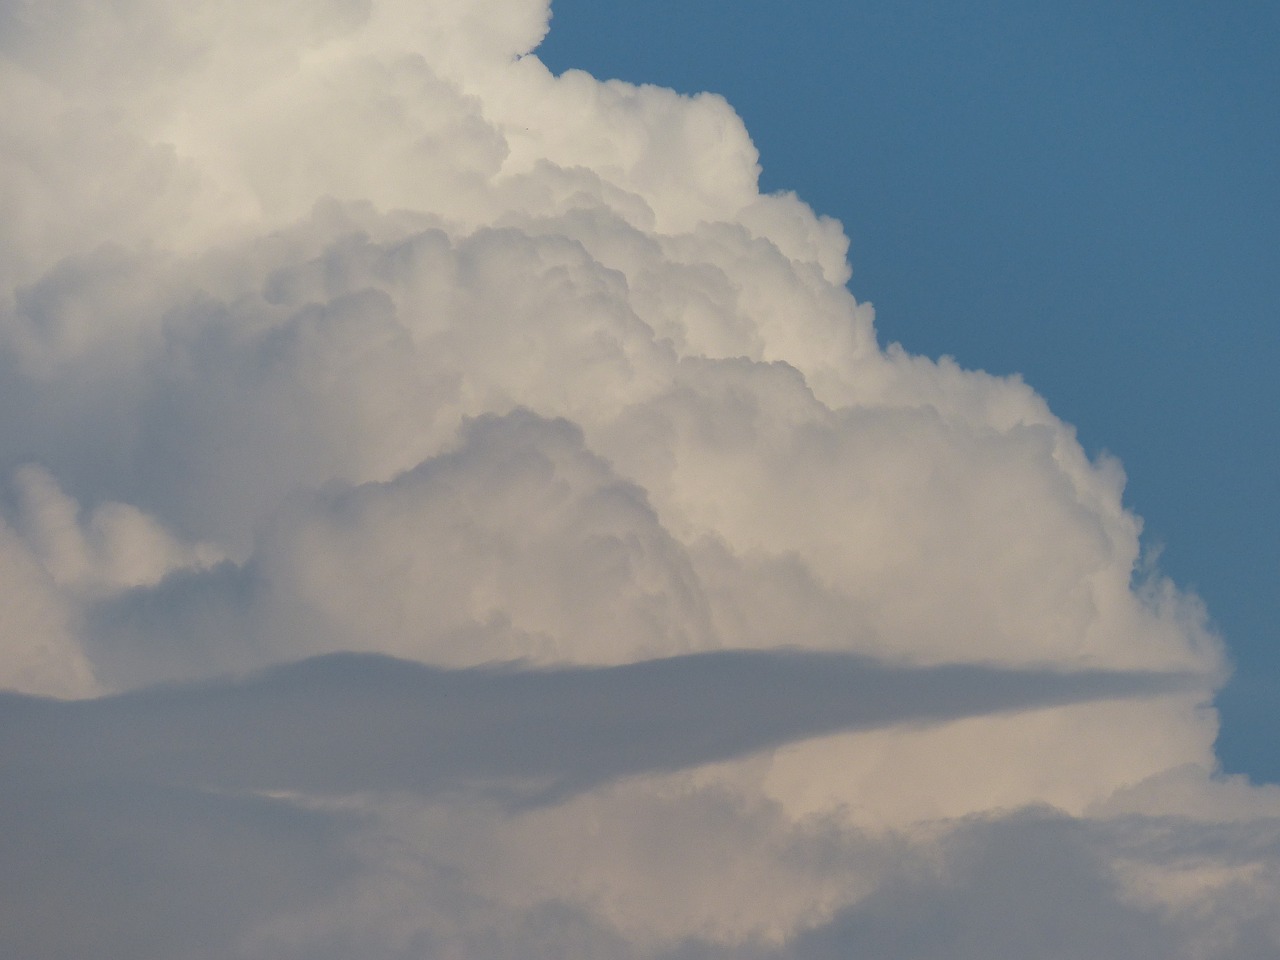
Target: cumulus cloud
461	516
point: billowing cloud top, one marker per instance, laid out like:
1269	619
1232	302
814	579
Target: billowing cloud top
343	332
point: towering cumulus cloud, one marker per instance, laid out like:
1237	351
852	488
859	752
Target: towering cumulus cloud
447	511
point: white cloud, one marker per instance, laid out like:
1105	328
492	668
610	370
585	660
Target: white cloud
332	325
116	548
37	627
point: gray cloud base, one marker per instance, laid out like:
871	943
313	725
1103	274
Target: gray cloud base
156	791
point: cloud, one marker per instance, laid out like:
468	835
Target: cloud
126	869
348	723
346	350
987	905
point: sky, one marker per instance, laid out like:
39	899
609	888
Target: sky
1082	194
455	504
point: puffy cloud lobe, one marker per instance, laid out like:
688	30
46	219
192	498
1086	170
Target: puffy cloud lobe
343	325
517	544
38	627
118	547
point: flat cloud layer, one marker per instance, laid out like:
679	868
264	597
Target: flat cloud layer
459	515
347	723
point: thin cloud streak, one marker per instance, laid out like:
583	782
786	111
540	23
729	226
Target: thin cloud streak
347	723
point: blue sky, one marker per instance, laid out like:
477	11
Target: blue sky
1086	194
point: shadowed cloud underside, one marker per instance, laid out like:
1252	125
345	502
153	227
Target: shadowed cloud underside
347	723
